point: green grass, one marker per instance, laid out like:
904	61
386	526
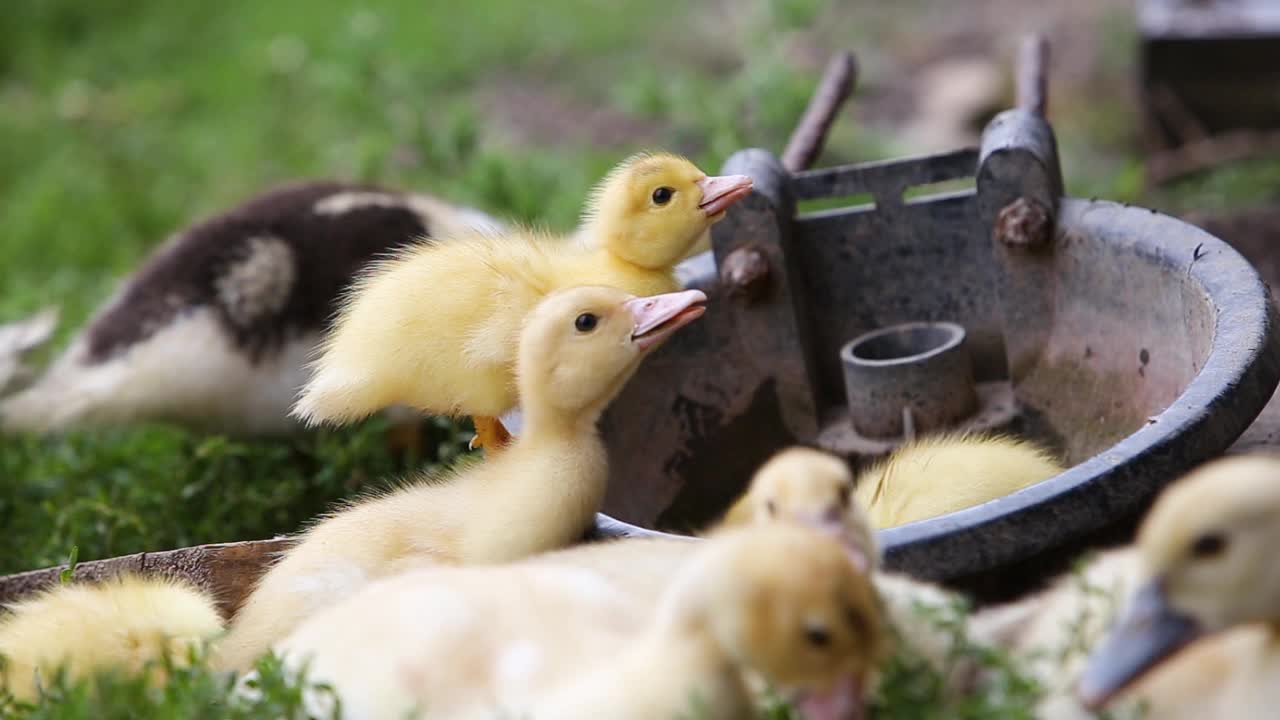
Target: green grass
124	120
157	488
191	691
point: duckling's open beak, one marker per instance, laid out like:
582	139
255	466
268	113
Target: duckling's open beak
658	316
718	193
1149	632
844	700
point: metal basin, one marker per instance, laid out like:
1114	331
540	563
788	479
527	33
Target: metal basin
1134	344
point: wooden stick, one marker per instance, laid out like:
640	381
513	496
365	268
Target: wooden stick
1033	75
807	140
1181	120
1210	152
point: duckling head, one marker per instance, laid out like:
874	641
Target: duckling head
815	488
786	602
654	209
580	346
1207	549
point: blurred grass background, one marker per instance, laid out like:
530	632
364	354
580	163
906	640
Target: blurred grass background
124	120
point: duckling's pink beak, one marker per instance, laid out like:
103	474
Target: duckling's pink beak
832	523
658	316
718	193
842	701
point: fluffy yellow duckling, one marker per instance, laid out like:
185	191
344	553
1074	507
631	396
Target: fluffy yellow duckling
577	349
502	631
807	486
777	599
215	329
532	640
810	487
119	624
1206	554
946	472
436	326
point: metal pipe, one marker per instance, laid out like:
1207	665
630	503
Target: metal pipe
921	370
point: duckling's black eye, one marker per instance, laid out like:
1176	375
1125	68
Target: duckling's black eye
586	322
857	623
770	508
1208	545
846	491
817	636
662	195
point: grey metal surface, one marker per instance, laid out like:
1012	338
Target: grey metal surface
1134	343
1162	350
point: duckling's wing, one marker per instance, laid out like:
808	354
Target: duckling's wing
519	264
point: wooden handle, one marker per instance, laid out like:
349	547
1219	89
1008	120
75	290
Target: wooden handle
810	135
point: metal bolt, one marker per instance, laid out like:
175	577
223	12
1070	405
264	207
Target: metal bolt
745	272
1024	223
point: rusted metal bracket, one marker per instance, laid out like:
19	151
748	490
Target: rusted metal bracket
1019	186
745	273
775	330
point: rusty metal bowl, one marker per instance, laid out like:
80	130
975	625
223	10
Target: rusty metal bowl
1134	344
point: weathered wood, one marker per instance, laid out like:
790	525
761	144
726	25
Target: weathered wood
1210	152
227	571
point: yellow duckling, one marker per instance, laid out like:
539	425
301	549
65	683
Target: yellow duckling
1208	602
777	600
506	631
533	640
943	473
119	624
436	326
578	348
807	486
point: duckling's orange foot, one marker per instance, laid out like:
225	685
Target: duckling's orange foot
491	434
